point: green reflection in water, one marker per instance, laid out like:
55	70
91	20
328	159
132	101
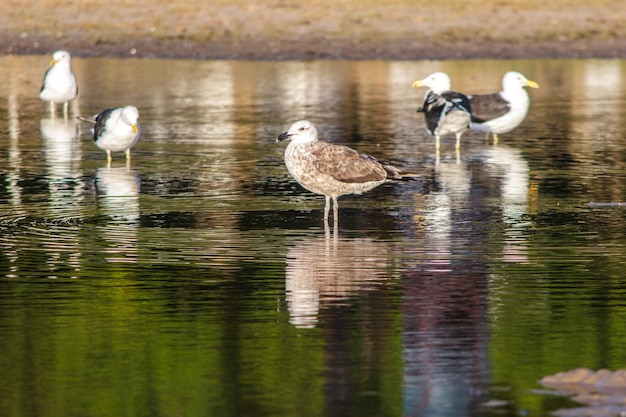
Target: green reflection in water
563	310
170	298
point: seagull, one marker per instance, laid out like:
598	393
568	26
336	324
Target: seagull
502	112
116	129
445	111
59	83
333	170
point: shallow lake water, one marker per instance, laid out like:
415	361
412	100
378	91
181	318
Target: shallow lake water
201	280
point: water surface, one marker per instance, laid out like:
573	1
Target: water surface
201	280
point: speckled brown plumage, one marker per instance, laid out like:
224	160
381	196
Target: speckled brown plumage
332	170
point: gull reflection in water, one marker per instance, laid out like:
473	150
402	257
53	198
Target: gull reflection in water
62	154
512	169
118	199
63	157
436	213
325	269
60	140
444	297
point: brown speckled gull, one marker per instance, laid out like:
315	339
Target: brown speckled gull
333	170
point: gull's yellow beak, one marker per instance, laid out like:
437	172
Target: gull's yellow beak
532	84
135	128
54	61
418	84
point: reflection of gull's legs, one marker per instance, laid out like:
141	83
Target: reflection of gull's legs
326	229
335	228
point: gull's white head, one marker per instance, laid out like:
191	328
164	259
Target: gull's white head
438	82
130	116
60	57
302	131
514	79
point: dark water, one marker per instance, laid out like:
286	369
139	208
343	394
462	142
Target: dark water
201	281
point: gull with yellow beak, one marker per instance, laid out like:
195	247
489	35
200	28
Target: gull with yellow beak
503	111
445	111
59	83
116	129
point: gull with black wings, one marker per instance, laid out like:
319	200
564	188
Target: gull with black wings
445	111
115	130
503	111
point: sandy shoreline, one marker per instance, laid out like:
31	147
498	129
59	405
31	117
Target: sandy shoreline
318	29
322	49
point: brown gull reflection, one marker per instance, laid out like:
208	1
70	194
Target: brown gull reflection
325	269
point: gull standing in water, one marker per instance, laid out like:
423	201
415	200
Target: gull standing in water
59	83
445	111
333	170
116	129
503	111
